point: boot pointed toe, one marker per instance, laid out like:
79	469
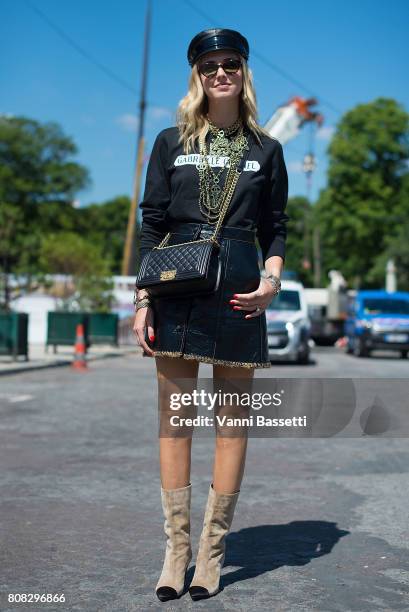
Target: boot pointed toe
165	593
198	592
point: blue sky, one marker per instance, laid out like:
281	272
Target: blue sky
344	53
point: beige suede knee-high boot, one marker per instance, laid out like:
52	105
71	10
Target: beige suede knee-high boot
178	554
217	521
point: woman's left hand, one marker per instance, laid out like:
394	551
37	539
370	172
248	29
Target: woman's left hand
257	301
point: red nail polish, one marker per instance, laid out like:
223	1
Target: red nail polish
231	302
236	308
151	338
235	295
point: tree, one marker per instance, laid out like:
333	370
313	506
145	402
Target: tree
299	227
361	206
397	243
11	230
36	171
105	224
69	254
35	163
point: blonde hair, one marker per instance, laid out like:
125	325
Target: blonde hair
192	109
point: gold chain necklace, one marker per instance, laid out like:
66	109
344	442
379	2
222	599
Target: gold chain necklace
211	196
230	129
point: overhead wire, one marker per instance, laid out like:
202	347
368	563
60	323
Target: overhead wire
88	56
69	40
130	88
286	75
123	83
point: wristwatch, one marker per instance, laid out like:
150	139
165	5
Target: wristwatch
275	281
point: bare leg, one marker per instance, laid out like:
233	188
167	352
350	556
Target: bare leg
174	452
230	452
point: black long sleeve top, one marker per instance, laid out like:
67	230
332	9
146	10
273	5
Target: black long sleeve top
172	192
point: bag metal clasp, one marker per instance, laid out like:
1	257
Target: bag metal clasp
167	274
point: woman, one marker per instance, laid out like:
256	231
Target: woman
186	178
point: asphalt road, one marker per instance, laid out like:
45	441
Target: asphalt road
320	525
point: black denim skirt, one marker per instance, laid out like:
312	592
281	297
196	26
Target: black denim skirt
206	328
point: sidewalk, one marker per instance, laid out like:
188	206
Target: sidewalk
39	358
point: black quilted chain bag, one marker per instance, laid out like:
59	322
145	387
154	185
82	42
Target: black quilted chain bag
188	268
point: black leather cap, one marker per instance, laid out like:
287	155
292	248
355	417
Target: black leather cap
215	39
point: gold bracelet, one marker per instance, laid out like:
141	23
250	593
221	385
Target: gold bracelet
142	304
136	300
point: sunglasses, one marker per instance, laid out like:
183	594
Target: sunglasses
230	66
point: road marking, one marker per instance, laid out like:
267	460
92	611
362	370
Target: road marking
14	399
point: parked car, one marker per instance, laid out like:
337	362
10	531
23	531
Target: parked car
288	324
378	320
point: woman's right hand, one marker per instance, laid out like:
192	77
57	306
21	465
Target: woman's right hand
144	320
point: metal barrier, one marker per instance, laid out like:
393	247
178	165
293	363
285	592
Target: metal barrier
99	328
14	334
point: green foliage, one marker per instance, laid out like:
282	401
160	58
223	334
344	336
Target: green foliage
397	242
70	254
36	165
40	230
11	232
105	224
95	293
37	176
362	207
298	243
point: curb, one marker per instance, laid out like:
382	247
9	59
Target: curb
57	364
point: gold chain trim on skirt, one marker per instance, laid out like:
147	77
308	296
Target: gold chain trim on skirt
202	358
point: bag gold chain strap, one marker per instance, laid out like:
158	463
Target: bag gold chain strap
219	222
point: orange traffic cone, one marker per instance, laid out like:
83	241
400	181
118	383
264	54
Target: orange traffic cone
341	342
79	362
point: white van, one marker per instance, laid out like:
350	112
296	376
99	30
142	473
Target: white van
288	324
